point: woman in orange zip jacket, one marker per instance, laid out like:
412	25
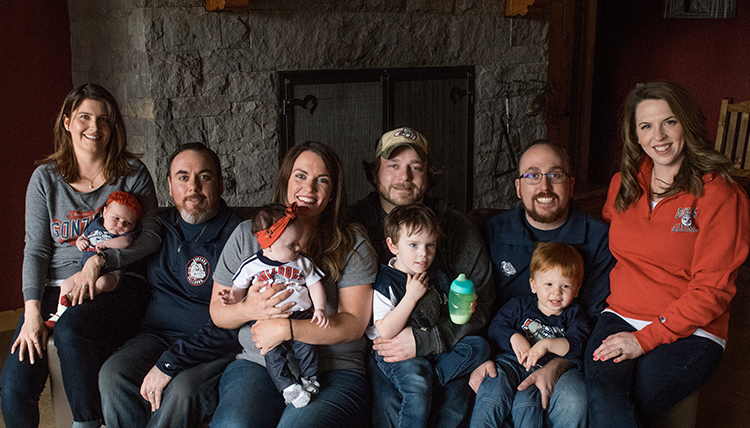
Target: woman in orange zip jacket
679	229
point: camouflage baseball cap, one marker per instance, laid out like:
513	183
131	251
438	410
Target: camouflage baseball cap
391	140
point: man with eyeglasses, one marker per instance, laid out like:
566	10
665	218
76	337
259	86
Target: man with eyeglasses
545	186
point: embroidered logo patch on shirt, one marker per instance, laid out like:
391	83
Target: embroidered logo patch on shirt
508	268
196	270
687	220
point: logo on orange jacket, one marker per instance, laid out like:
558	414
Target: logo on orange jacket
687	220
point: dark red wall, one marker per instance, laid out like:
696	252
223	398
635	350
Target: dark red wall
635	44
35	77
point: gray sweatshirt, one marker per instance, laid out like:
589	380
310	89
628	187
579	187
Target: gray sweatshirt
56	215
360	268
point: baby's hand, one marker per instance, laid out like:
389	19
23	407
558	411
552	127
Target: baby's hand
82	243
101	246
226	297
417	285
536	352
520	347
474	304
320	318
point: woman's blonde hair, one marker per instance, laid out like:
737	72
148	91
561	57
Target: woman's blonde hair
699	156
116	161
333	238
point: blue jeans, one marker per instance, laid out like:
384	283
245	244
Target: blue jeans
84	336
623	394
188	399
248	398
498	398
404	392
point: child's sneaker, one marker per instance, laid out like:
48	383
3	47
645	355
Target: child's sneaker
65	300
310	384
295	395
50	323
62	305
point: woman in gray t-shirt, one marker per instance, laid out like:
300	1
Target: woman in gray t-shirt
65	193
310	175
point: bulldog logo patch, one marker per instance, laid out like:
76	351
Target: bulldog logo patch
687	220
196	270
508	268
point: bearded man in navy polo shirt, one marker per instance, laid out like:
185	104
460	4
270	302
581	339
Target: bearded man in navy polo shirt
168	375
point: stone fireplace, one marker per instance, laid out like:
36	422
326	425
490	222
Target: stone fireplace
183	74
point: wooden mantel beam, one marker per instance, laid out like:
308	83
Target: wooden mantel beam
227	4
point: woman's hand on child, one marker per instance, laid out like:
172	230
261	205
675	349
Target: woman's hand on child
84	285
264	303
268	334
320	318
487	368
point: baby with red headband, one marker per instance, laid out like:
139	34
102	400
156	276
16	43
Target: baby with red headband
280	262
111	230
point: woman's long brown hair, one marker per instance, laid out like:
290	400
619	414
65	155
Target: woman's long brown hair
116	162
699	158
333	238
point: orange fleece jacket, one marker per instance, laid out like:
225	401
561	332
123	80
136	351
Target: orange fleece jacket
676	266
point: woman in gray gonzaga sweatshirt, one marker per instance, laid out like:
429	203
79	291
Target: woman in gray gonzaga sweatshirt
65	193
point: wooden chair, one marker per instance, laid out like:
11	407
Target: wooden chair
732	136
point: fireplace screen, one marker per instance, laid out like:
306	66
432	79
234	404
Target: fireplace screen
349	110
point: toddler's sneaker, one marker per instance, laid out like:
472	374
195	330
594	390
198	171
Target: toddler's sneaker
50	323
62	305
310	384
295	395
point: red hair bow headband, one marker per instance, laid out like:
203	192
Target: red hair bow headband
126	199
267	237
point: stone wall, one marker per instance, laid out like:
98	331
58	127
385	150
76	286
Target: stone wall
182	74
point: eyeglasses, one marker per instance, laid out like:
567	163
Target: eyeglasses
555	177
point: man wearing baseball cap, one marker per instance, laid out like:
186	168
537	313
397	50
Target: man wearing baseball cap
401	174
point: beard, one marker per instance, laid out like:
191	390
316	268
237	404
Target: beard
551	217
196	215
417	195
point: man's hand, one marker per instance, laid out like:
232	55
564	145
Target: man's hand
153	386
546	378
488	368
401	347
